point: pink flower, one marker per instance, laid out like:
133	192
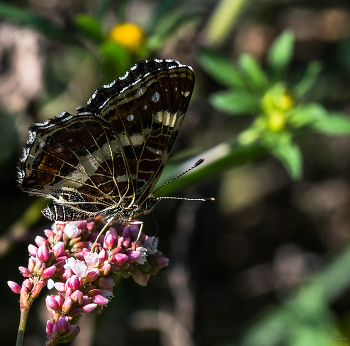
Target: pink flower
78	267
91	259
72	231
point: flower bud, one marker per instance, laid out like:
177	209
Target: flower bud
49	326
140	278
25	272
163	262
134	256
62	324
67	305
43	253
59	299
15	288
60	286
106	268
99	300
74	282
58	249
127	233
31	264
82	225
40	240
48	272
105	283
90	226
51	303
54	329
27	285
115	250
58	236
108	241
73	331
94	292
88	308
32	250
49	234
77	296
92	275
119	259
127	242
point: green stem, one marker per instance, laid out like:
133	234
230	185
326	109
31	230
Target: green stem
22	325
222	21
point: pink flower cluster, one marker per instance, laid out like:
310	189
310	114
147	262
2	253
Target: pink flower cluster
84	279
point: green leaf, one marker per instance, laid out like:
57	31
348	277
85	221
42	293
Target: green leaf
168	24
281	146
333	124
220	69
235	103
253	73
308	80
89	26
306	114
280	54
41	24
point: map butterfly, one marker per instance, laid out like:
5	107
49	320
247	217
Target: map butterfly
106	159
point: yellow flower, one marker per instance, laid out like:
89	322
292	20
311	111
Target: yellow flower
277	98
284	101
128	35
276	121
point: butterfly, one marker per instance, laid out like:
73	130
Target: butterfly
106	159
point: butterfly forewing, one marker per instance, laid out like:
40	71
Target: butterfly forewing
111	154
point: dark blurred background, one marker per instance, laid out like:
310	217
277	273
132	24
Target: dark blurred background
268	262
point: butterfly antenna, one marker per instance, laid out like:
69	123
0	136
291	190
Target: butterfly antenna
200	161
180	175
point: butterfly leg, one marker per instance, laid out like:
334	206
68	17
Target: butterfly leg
101	232
139	233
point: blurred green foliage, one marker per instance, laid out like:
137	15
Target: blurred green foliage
279	108
280	111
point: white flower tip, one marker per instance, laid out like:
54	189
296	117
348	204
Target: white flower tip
50	284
